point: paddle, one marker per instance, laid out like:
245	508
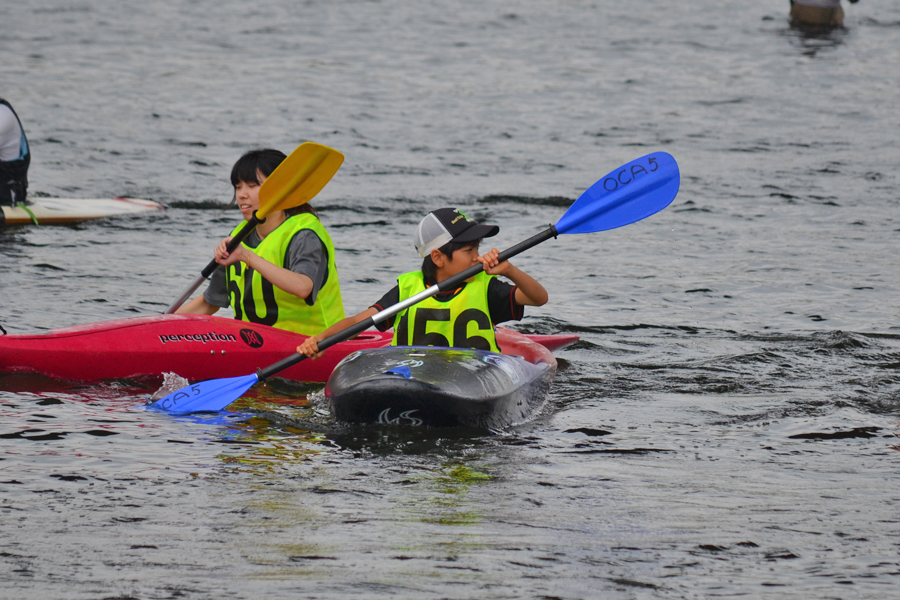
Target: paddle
628	194
293	183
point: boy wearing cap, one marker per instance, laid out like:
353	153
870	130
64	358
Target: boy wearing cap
447	240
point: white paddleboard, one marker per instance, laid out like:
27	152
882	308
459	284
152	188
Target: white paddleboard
71	210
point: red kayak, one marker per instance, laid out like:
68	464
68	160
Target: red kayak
197	347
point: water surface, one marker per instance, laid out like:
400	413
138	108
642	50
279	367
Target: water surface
726	427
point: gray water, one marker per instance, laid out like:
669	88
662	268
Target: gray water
727	427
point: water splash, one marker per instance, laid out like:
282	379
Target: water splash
172	382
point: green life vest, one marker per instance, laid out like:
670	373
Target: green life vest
256	300
463	322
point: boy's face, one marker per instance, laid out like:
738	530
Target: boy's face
461	260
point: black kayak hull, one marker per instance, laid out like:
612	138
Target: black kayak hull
441	387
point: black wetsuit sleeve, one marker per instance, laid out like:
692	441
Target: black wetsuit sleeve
388	300
502	302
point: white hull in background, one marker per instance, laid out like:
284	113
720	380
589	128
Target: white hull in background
71	210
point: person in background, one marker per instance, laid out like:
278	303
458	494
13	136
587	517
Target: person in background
283	274
14	157
825	13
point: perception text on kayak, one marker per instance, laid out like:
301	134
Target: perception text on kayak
198	337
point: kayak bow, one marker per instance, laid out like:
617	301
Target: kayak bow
443	387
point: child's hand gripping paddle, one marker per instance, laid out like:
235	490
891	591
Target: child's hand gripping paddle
293	183
628	194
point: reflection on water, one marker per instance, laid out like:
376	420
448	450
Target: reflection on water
812	39
449	504
256	447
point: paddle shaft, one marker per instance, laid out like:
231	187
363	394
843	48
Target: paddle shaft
208	270
447	284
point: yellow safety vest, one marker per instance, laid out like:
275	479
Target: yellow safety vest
256	300
463	322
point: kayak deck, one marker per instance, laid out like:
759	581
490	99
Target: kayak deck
443	387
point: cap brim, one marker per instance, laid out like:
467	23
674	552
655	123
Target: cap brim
476	232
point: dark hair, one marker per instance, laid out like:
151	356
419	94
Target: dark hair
251	165
263	162
429	269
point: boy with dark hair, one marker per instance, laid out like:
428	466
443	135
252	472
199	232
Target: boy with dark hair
447	240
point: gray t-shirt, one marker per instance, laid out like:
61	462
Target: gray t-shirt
306	255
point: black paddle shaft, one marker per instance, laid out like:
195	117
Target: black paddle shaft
248	227
208	270
447	284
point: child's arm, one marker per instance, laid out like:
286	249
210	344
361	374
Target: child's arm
197	306
310	347
528	291
293	283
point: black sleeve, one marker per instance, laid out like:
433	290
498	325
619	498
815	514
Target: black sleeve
502	302
388	300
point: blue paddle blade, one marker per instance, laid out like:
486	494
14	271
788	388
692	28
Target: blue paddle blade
212	395
630	193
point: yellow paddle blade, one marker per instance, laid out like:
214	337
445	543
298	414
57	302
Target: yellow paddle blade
298	178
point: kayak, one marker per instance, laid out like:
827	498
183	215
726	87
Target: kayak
196	347
443	387
71	210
